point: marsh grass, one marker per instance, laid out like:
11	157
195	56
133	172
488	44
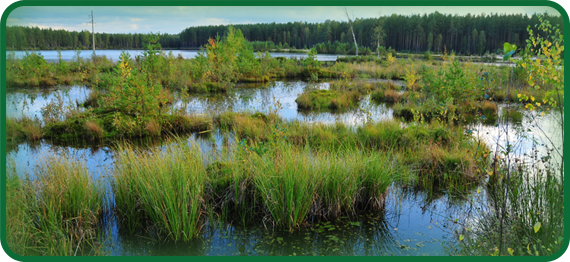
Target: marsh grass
288	184
19	235
94	129
57	211
162	189
153	128
300	184
452	168
488	108
387	95
327	99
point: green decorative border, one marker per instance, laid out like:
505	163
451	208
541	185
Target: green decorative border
13	6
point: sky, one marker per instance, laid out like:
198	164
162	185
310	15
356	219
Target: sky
172	20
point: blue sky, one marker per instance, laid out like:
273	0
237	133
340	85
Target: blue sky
173	20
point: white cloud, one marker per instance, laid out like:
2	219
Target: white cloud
134	26
213	21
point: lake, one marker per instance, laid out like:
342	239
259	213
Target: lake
67	55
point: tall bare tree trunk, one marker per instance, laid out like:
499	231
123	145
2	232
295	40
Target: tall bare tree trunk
351	30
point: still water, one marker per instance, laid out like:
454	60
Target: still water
67	55
412	223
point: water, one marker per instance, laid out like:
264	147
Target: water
412	223
67	55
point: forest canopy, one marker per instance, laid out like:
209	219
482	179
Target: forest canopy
435	32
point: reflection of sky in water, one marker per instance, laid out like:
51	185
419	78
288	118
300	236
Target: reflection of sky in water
264	100
532	136
29	102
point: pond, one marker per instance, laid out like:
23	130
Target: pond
413	222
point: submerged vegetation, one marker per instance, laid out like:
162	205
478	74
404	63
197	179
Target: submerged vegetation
288	174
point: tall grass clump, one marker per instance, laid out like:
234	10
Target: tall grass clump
57	211
19	229
160	189
70	203
287	183
447	167
380	170
340	185
301	184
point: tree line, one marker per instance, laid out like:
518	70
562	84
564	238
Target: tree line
26	38
435	32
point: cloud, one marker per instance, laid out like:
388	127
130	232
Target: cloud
12	20
214	21
134	26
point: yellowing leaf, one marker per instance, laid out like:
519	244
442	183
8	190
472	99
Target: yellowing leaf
536	227
532	98
510	250
537	104
461	237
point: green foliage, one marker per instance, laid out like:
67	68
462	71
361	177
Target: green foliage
428	56
312	65
547	70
